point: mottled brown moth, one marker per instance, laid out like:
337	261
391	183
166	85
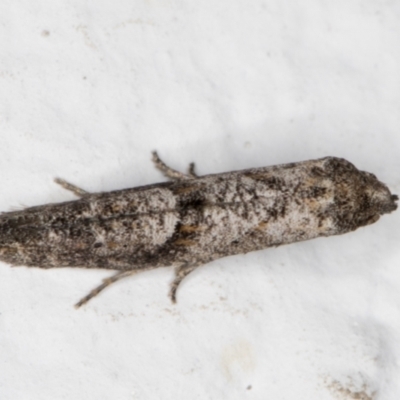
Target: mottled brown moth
192	220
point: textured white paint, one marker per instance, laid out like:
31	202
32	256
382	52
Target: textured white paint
89	89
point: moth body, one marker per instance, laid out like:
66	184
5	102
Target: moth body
193	220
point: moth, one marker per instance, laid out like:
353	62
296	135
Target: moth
192	220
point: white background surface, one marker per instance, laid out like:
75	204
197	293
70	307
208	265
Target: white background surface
89	89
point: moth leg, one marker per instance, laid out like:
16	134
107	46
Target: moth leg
172	173
106	282
72	188
180	273
191	170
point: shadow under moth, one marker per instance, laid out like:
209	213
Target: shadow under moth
192	220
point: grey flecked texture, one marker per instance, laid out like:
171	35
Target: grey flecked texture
192	220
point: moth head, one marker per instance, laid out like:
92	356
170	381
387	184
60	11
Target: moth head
360	198
378	198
